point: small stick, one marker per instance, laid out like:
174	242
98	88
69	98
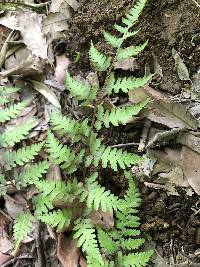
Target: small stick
40	254
125	145
13	260
198	5
145	132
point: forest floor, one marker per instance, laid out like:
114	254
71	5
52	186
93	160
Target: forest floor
167	132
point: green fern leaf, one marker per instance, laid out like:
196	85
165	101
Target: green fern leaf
117	116
73	129
12	111
42	203
21	156
22	227
133	14
77	88
106	242
32	174
97	197
112	40
98	60
131	244
135	259
125	84
16	135
5	94
86	238
3	189
131	51
57	218
93	262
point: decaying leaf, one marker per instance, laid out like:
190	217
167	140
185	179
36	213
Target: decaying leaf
22	62
9	20
67	251
180	66
32	33
46	92
104	219
62	64
54	22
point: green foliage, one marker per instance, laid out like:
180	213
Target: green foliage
131	51
85	234
98	60
22	227
12	111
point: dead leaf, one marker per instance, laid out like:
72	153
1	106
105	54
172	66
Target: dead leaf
126	64
191	168
24	63
104	219
173	115
13	206
62	64
32	33
54	22
9	20
196	82
180	66
46	92
4	258
189	140
67	251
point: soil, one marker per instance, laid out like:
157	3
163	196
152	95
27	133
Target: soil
171	222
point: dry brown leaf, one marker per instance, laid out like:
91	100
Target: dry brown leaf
54	22
181	68
32	33
62	65
104	219
22	62
67	251
4	258
14	205
191	168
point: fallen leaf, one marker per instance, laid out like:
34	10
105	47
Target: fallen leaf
126	64
4	258
13	206
46	92
67	251
104	219
180	66
32	33
62	64
191	168
189	140
9	20
54	22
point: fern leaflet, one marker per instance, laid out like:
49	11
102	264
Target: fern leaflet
77	88
135	259
106	242
22	227
98	60
12	111
112	40
125	84
86	238
131	51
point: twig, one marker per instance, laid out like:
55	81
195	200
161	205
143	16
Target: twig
144	136
125	145
13	260
39	245
197	4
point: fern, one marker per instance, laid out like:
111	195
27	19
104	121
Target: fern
2	184
131	51
12	111
86	238
77	89
22	227
125	84
57	218
117	116
107	243
21	156
97	197
16	135
98	60
134	259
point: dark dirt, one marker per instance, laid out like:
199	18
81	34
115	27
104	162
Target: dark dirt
172	222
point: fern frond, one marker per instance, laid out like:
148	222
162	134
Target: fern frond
31	175
131	51
73	129
77	88
8	90
22	227
135	259
106	242
97	197
125	84
43	204
93	262
112	40
2	184
16	135
116	116
133	14
57	218
98	59
12	111
108	155
86	238
131	244
21	156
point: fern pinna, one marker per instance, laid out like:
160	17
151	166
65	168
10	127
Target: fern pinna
77	148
